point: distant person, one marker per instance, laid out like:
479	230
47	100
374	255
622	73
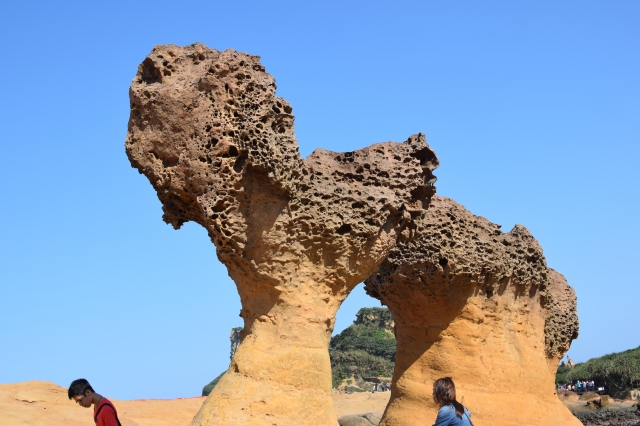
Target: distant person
104	413
451	412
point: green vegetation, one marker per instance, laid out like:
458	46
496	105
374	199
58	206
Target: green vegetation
367	348
372	341
561	375
619	372
376	317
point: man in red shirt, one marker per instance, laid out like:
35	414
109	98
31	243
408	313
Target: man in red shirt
104	413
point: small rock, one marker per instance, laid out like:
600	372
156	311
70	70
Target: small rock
587	396
357	420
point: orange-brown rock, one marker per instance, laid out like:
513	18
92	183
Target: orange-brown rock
482	307
208	131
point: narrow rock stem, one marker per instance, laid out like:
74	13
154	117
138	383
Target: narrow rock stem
281	372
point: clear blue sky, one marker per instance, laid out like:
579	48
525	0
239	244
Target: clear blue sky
532	107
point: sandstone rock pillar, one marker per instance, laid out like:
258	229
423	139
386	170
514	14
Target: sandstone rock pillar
481	307
208	131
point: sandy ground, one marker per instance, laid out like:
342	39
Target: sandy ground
38	403
360	403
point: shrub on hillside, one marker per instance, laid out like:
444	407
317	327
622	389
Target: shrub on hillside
370	340
358	363
619	372
367	348
561	375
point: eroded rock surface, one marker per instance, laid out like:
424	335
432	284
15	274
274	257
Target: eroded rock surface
208	131
482	307
561	322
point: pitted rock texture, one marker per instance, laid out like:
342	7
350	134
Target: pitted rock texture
561	325
208	131
475	304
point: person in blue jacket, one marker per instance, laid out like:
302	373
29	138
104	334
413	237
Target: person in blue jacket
451	412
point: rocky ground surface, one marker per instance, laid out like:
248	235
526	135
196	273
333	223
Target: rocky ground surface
38	403
595	410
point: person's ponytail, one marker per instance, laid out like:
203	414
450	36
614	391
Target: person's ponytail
459	408
444	393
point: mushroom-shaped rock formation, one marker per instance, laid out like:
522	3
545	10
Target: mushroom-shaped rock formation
208	131
481	307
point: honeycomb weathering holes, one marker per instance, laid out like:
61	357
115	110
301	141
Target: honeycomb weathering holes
290	231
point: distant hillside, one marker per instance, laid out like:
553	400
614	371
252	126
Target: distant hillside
366	349
618	372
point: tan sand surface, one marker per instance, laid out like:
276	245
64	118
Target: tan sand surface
37	403
360	403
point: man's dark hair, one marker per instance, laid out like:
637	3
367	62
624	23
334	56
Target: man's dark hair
79	387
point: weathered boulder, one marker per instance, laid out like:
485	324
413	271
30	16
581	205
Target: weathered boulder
482	307
208	131
367	419
633	394
587	396
597	402
564	395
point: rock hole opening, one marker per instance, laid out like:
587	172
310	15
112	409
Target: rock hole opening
344	229
150	73
238	166
425	156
